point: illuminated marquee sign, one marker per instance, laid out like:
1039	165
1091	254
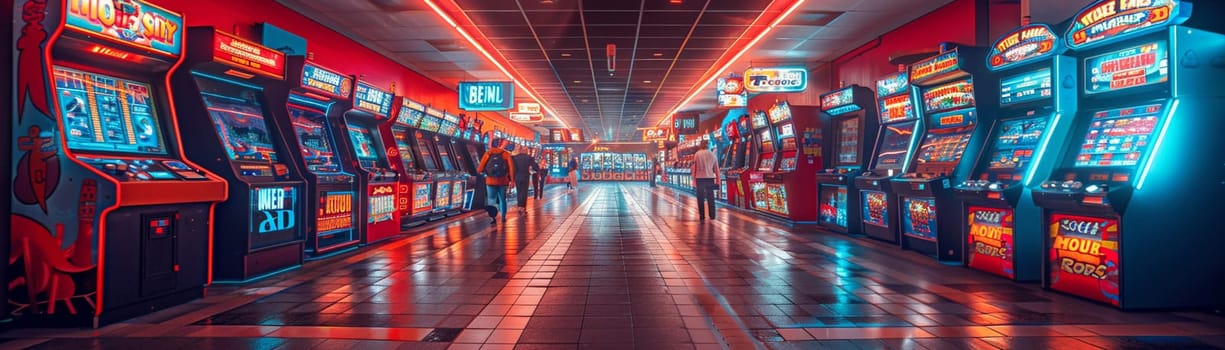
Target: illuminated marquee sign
335	211
776	79
326	81
1107	20
529	107
486	95
731	92
273	209
410	113
234	51
944	63
1026	43
368	98
839	102
382	203
991	240
1129	67
685	124
526	117
134	23
1084	258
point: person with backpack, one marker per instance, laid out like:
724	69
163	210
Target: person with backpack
497	168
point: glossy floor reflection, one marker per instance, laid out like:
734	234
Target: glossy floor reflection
621	266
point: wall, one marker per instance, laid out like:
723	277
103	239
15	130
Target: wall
331	49
954	22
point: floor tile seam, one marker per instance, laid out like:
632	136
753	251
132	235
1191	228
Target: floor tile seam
740	330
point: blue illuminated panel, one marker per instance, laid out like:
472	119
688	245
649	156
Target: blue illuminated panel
1118	137
1132	67
1025	87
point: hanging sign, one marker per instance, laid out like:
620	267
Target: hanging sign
486	95
785	79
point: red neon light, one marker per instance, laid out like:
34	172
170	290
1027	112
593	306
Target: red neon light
109	52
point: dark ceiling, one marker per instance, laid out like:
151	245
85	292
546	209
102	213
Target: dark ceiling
662	50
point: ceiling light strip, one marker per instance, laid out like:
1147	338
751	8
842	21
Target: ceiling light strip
699	88
450	21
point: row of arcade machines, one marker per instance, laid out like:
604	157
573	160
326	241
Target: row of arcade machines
771	158
609	166
1077	161
153	163
440	152
679	172
556	158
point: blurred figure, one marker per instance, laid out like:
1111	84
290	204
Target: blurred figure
524	165
542	176
654	172
497	167
572	174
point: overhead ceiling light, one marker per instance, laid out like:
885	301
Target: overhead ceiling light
566	54
550	2
639	101
676	2
577	81
646	81
584	100
658	54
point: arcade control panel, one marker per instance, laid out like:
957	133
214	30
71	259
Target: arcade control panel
135	169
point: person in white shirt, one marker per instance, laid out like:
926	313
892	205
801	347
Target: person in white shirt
705	180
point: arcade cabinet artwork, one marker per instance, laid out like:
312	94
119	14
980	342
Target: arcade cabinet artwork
222	88
109	220
852	113
763	162
315	96
1001	225
789	186
953	116
413	193
1132	208
366	157
899	126
440	168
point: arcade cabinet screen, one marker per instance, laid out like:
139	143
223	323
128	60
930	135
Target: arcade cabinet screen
1016	143
427	153
365	147
895	143
429	124
309	126
952	95
944	145
895	108
1131	67
239	118
786	130
406	151
759	120
1118	137
410	117
767	141
848	141
1025	87
445	154
108	114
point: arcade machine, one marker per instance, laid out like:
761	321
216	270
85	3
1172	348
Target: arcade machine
763	162
437	162
366	157
317	94
449	145
946	153
727	162
413	192
745	153
899	126
109	218
1001	225
852	113
259	227
798	131
470	152
1132	206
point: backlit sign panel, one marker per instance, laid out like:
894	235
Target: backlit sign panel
991	240
335	211
486	95
328	82
133	23
1084	256
1110	20
231	50
1022	45
792	79
371	99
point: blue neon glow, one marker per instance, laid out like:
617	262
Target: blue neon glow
920	124
310	102
1029	176
843	110
228	80
1148	163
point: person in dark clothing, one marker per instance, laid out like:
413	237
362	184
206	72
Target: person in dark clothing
572	174
542	175
654	172
523	165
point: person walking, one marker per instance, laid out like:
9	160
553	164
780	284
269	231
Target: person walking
497	167
654	172
523	165
572	174
542	175
705	179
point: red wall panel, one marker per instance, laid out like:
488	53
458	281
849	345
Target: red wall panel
331	49
954	22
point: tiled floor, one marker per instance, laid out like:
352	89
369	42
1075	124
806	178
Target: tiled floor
620	266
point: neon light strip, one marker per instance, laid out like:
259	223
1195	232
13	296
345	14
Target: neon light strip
544	106
701	90
1148	163
1029	176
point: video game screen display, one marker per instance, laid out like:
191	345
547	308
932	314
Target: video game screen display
1015	143
1131	67
108	114
767	141
848	141
1118	137
238	116
310	126
430	124
952	95
895	108
409	117
760	120
366	147
444	153
406	149
895	143
1025	87
427	154
947	139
